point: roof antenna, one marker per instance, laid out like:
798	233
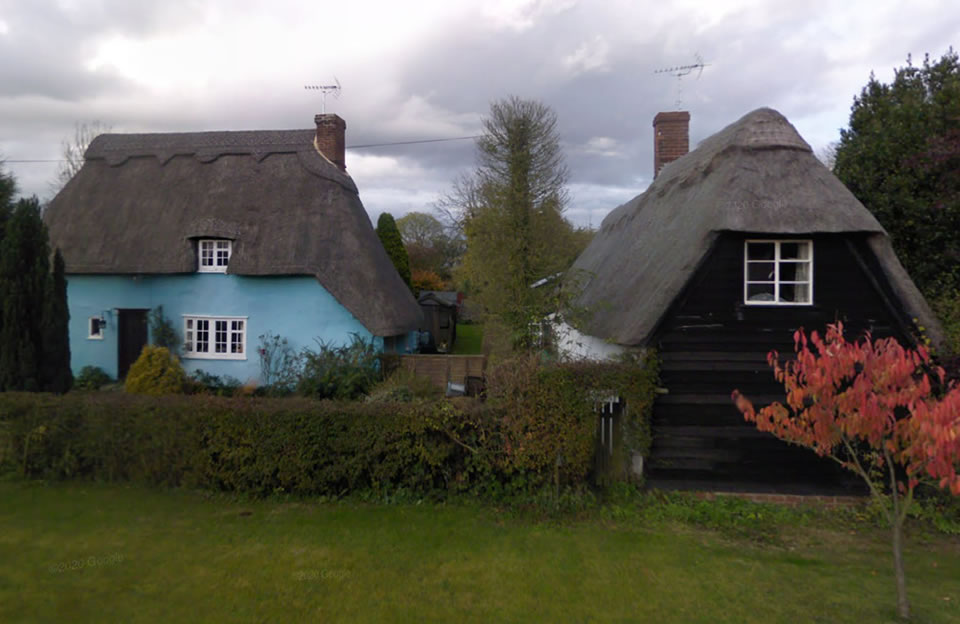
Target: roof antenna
335	89
682	70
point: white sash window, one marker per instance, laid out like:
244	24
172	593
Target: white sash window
215	337
778	272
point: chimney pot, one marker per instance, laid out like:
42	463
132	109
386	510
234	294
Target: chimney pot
671	138
331	141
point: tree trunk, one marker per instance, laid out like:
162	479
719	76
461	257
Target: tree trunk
903	605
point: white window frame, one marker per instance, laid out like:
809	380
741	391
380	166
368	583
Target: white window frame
214	261
98	335
777	260
192	326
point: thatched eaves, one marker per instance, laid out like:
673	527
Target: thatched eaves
757	175
141	200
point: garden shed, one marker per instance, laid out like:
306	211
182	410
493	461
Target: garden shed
439	310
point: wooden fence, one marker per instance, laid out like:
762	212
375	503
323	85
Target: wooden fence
444	369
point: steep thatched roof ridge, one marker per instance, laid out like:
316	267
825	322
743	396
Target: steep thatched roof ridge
756	175
140	200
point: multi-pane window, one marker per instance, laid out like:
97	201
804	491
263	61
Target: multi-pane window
212	337
778	272
214	255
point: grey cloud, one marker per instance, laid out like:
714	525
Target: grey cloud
764	55
46	43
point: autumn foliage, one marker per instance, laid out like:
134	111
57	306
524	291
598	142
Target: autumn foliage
426	280
844	395
881	410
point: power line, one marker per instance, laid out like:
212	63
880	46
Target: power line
417	142
476	136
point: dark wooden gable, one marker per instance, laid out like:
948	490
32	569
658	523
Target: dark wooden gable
710	342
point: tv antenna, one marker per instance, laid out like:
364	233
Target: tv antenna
683	70
335	89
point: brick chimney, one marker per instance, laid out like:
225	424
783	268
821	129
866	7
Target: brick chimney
331	130
671	138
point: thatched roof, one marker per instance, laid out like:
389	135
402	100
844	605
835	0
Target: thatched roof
756	175
140	199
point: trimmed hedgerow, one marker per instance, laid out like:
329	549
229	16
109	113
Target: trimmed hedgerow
504	446
259	446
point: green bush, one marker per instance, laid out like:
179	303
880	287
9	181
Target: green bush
339	372
403	385
280	366
202	382
502	448
156	372
91	378
556	403
258	446
162	331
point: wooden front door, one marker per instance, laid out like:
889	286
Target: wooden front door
132	337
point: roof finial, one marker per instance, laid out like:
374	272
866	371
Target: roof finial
324	90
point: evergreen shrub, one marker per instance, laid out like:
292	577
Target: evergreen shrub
156	372
91	378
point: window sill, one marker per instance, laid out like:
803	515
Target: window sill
215	356
775	304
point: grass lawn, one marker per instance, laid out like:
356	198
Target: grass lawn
469	340
105	553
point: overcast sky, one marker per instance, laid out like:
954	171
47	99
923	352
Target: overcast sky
429	69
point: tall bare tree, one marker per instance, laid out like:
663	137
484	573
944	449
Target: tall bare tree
84	132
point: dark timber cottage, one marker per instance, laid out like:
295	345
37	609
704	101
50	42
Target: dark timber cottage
731	249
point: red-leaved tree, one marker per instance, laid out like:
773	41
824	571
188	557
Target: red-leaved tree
873	407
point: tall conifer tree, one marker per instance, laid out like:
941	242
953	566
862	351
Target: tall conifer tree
390	237
24	284
8	187
55	340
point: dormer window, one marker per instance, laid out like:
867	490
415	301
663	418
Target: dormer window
214	255
778	272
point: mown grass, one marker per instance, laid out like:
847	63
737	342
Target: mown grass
84	552
469	340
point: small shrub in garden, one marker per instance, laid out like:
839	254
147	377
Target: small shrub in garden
202	382
403	385
156	372
280	365
162	331
339	372
91	378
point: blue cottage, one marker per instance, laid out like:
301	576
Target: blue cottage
236	235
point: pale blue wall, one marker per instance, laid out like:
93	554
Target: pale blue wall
297	308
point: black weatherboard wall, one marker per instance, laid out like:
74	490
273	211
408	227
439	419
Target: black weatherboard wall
711	343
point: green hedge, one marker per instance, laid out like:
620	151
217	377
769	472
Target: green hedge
508	444
263	446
